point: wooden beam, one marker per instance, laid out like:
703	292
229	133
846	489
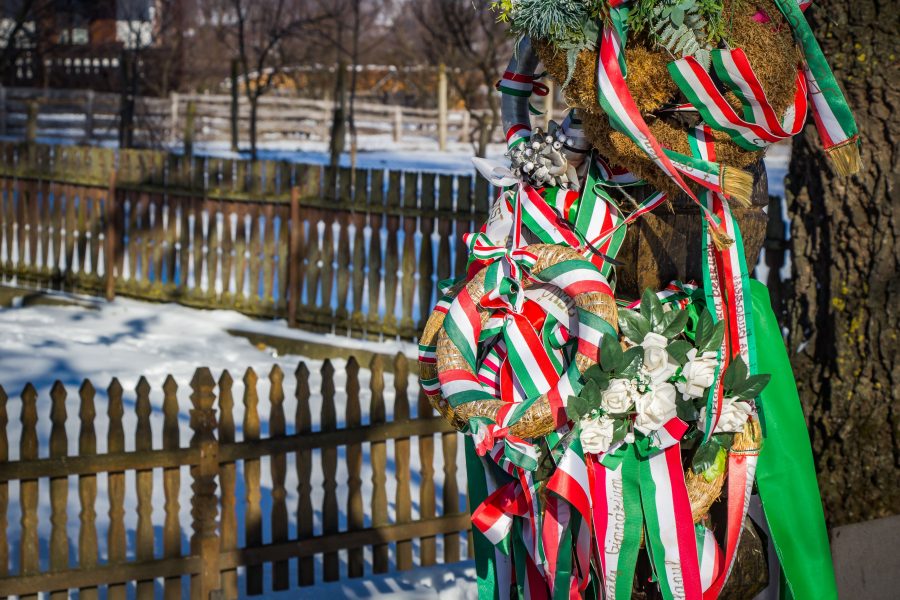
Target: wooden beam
102	463
458	522
18	585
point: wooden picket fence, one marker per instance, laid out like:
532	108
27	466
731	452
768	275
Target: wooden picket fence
217	456
356	251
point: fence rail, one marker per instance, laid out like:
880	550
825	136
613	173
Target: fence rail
353	251
216	457
88	116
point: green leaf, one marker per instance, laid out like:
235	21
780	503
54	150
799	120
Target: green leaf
620	430
593	372
715	339
705	457
678	351
704	331
577	407
633	325
674	323
735	374
651	308
633	358
603	380
752	386
685	411
591	393
717	467
611	356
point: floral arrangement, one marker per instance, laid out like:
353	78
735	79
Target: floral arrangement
665	371
601	431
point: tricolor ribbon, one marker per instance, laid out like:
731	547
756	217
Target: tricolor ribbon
831	113
640	485
624	115
727	288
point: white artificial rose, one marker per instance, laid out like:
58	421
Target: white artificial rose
655	408
699	373
596	434
657	364
619	396
734	414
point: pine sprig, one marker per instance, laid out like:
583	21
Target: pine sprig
568	25
683	27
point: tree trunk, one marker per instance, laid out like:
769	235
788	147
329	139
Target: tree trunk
842	307
235	106
127	98
338	126
254	107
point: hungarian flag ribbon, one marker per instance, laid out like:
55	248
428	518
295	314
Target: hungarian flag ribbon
832	114
641	485
616	100
759	126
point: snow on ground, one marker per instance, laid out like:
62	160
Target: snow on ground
440	582
128	338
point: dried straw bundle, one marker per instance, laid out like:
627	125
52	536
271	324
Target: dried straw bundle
702	493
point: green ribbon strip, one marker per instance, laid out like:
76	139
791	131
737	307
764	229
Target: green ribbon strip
818	66
785	473
485	560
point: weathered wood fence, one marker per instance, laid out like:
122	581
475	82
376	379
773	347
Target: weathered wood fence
217	456
88	116
357	252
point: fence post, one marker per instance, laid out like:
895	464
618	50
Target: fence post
31	125
398	123
204	502
442	106
89	115
189	115
294	262
465	127
110	250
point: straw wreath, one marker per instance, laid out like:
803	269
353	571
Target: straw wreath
538	421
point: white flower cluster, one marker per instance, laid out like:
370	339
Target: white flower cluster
735	413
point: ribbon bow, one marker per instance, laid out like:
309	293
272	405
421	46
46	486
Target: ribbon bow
507	268
487	435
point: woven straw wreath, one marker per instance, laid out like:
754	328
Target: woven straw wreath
539	419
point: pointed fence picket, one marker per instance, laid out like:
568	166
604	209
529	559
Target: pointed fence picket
149	560
358	253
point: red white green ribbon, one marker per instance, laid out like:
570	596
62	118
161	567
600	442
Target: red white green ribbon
637	484
832	114
727	287
710	556
610	175
617	102
759	126
522	85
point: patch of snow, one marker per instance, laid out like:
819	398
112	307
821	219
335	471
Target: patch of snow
441	582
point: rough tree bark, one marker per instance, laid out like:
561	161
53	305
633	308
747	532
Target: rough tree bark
842	309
